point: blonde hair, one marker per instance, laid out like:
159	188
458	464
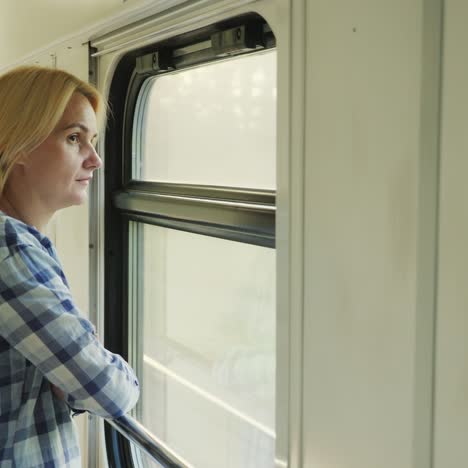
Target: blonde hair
33	99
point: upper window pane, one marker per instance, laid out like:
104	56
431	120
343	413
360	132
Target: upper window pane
214	124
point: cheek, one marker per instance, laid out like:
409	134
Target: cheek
39	172
53	169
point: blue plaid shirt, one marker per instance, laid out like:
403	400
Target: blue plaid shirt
45	340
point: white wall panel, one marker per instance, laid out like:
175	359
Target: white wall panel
362	158
72	225
451	403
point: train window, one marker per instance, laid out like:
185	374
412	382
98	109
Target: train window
190	250
207	357
212	124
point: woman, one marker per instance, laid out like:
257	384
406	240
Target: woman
50	358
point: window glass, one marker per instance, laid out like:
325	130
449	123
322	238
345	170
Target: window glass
214	124
207	359
142	460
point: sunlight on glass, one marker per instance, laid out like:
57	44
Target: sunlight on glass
209	347
192	131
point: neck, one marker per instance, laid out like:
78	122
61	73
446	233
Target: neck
17	208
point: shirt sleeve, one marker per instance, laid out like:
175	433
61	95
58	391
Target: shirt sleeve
40	320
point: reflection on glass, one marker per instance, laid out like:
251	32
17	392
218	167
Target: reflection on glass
208	355
141	459
214	124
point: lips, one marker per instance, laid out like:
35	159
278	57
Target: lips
84	181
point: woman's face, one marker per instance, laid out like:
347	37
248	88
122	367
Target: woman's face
59	171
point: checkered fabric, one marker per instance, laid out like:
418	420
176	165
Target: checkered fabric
44	340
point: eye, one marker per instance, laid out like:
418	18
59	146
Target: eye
74	138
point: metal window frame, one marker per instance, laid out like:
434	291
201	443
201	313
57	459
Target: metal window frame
238	214
233	214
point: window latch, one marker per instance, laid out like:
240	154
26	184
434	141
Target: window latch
237	40
160	61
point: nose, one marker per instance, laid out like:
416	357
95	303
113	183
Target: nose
93	161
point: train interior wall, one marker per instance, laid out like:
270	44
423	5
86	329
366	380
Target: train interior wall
384	383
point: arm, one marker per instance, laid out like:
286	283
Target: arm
39	319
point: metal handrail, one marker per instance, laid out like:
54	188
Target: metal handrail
135	432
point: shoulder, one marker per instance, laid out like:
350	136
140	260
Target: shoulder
16	236
28	262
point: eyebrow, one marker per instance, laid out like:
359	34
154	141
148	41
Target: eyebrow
79	125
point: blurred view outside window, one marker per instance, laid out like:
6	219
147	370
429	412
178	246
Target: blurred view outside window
214	125
207	310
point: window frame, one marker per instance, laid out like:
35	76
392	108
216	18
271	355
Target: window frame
243	215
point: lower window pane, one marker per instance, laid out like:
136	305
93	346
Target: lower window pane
142	460
206	312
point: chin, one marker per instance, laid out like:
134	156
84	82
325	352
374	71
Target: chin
81	201
77	200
